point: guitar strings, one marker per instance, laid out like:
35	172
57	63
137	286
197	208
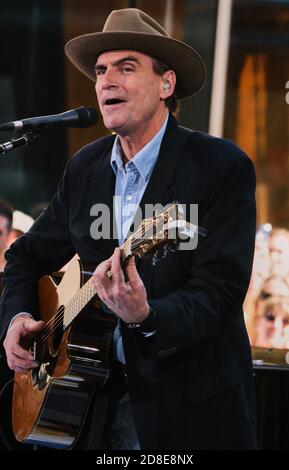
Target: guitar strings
53	321
60	311
57	319
143	228
133	245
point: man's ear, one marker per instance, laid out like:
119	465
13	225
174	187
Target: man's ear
168	84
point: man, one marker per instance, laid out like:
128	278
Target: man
181	331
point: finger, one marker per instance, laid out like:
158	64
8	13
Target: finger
12	340
100	283
24	364
16	361
21	332
21	370
103	267
18	351
31	326
101	292
117	273
132	274
100	276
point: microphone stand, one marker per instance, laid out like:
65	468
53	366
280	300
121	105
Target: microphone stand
24	140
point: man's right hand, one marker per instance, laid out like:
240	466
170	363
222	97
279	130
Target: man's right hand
21	329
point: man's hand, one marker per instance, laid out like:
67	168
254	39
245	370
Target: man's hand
127	299
21	329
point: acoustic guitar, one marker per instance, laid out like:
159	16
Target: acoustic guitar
74	348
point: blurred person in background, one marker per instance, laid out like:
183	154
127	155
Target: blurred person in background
278	244
260	272
272	323
5	231
262	264
273	286
20	225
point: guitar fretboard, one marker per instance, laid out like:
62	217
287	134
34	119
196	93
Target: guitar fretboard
78	302
87	292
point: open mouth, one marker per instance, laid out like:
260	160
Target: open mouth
113	101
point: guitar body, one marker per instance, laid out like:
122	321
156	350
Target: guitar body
50	403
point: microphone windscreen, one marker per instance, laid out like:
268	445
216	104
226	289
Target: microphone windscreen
87	116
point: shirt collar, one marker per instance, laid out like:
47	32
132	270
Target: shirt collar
144	160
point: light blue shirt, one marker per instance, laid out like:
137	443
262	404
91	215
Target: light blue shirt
131	182
132	179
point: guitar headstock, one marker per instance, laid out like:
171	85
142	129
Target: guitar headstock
160	234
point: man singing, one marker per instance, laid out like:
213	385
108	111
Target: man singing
180	340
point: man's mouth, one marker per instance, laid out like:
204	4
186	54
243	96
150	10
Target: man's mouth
113	101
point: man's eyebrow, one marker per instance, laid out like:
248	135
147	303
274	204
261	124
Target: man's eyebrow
129	58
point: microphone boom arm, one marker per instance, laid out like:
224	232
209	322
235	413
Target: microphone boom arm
24	140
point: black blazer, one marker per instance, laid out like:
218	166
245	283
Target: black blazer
191	384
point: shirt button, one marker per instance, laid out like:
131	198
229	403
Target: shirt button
128	197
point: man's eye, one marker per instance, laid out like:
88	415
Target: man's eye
99	72
126	69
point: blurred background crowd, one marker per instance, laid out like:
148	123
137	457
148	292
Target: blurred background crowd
13	224
266	306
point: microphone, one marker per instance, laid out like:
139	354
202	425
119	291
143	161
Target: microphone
80	117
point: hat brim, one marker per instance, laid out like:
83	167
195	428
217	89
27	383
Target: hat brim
83	51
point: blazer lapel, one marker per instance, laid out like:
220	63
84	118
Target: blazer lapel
105	192
171	148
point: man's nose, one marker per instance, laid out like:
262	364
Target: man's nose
109	79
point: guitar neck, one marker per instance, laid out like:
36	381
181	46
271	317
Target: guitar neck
87	292
78	302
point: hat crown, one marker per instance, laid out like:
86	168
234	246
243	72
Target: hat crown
133	29
133	20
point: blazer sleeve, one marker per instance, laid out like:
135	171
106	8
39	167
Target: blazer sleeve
216	287
45	248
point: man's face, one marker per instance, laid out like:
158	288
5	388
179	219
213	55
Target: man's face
127	77
4	232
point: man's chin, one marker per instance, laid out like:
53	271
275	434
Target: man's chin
117	127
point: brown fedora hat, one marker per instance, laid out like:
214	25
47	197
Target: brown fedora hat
132	29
